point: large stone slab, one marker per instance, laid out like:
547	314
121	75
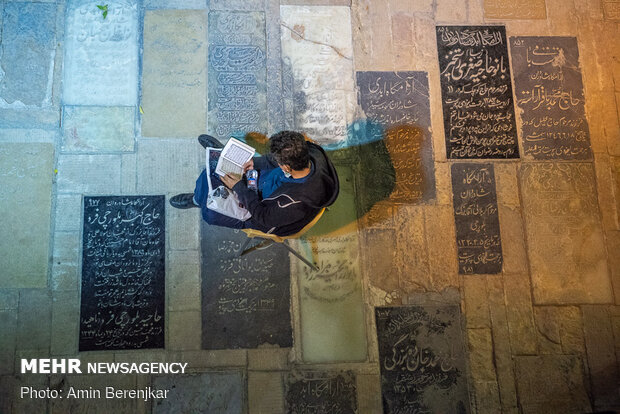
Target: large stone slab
317	42
478	110
398	102
96	128
422	359
237	73
564	235
24	255
551	384
478	238
245	300
208	393
174	73
123	273
549	93
27	54
167	166
101	55
94	174
520	9
321	392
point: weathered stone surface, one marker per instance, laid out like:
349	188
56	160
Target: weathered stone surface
9	298
521	9
94	174
560	330
167	166
481	355
450	12
412	256
65	323
442	256
487	397
476	302
602	363
8	321
306	389
565	239
183	280
174	73
25	214
184	330
369	393
175	4
265	393
10	392
551	384
317	42
513	240
128	174
91	43
27	54
184	228
507	184
212	392
611	9
520	314
65	260
96	128
68	212
72	383
613	245
380	263
198	360
268	359
615	176
34	320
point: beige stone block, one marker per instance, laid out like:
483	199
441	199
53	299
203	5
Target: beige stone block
381	47
507	186
368	393
411	6
65	323
380	263
167	166
590	8
475	12
184	328
265	359
611	10
548	326
174	73
360	20
128	174
519	9
402	29
183	281
606	198
426	47
183	228
603	120
571	330
615	183
199	360
441	242
613	245
412	254
520	314
142	355
551	384
444	183
602	363
528	28
476	301
449	11
564	234
481	355
501	344
513	240
265	393
487	397
562	18
65	260
34	320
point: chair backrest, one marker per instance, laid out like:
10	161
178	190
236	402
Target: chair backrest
279	239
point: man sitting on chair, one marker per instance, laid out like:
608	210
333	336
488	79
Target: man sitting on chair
296	180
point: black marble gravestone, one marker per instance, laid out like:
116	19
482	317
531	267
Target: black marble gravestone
321	392
123	273
397	105
245	300
549	90
478	110
422	360
478	239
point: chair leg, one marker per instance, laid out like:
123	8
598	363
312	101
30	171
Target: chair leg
263	243
245	244
303	259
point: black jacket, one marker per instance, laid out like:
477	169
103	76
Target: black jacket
292	205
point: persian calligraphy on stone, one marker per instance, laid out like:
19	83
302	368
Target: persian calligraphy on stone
237	73
321	392
245	300
477	222
398	102
422	360
549	92
511	9
101	64
123	273
611	9
478	110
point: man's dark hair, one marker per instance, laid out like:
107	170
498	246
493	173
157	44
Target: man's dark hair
290	148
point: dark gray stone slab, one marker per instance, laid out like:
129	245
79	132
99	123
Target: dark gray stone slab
478	110
123	273
208	393
27	53
321	392
245	300
422	360
237	73
549	92
477	222
398	104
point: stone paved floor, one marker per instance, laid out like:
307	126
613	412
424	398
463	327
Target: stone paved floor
92	107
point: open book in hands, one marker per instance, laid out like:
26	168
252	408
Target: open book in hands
232	158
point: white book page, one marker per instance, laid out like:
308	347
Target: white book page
234	154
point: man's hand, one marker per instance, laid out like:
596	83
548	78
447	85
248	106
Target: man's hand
229	180
248	166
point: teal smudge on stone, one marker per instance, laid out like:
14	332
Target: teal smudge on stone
28	48
97	128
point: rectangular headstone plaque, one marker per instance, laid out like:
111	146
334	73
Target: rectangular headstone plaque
237	73
398	103
101	55
477	222
123	273
478	110
245	300
321	392
422	360
549	93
